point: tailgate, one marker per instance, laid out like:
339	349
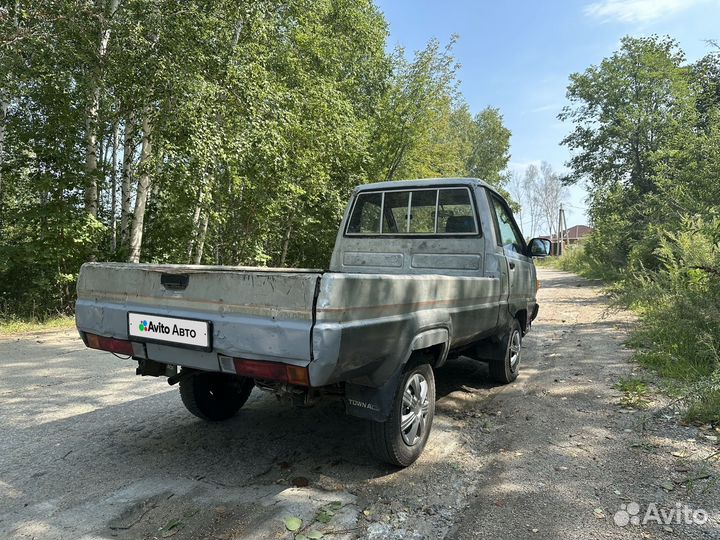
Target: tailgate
256	313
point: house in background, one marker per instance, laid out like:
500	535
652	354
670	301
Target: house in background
573	235
570	237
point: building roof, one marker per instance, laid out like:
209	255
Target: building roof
578	231
573	233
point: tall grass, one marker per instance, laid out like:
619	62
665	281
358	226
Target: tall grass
679	307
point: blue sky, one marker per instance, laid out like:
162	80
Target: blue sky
517	55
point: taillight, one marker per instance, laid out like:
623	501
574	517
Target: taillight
119	346
272	371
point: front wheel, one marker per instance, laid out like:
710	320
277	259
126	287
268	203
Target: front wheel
401	438
215	396
505	370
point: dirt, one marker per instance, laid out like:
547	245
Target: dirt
89	450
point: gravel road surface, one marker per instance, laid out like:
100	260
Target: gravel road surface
89	450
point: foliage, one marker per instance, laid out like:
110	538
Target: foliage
634	393
209	132
576	259
646	141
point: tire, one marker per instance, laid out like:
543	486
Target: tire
391	443
505	370
215	396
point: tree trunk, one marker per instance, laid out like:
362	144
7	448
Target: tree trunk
286	244
194	233
113	185
91	117
143	189
4	105
201	239
91	154
127	179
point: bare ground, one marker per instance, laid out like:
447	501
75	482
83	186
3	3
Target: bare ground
89	450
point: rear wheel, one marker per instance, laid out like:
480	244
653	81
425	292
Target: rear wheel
505	370
215	396
401	438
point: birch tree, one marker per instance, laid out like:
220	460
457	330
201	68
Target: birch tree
143	190
106	11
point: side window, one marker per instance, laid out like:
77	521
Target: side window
366	214
508	235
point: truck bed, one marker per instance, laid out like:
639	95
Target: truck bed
342	326
262	313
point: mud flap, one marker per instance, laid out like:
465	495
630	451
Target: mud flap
372	403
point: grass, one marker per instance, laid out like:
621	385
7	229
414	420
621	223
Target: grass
704	409
20	326
635	393
575	260
677	336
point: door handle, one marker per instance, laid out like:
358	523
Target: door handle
512	266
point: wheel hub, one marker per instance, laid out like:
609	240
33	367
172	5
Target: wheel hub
414	411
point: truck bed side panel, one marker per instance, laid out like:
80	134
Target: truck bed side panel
366	322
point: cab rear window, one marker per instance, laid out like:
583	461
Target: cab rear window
442	211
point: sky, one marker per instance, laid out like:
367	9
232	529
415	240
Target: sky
517	56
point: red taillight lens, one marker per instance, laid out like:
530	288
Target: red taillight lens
272	371
101	343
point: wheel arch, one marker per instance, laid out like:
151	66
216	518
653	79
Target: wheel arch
430	343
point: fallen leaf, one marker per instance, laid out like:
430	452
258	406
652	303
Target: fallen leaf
171	528
292	524
667	485
599	513
324	516
314	535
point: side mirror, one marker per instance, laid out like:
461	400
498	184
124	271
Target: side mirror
540	247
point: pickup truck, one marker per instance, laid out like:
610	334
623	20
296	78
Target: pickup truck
422	271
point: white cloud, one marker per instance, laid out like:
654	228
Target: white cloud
636	11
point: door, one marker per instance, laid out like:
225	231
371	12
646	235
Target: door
511	247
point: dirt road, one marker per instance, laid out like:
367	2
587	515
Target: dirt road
88	450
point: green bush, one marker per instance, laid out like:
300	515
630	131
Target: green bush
672	280
577	259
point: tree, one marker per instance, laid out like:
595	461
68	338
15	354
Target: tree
625	112
550	193
231	133
415	113
490	147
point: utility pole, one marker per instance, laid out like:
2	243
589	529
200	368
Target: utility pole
561	231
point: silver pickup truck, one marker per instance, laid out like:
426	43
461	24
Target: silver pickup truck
422	271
